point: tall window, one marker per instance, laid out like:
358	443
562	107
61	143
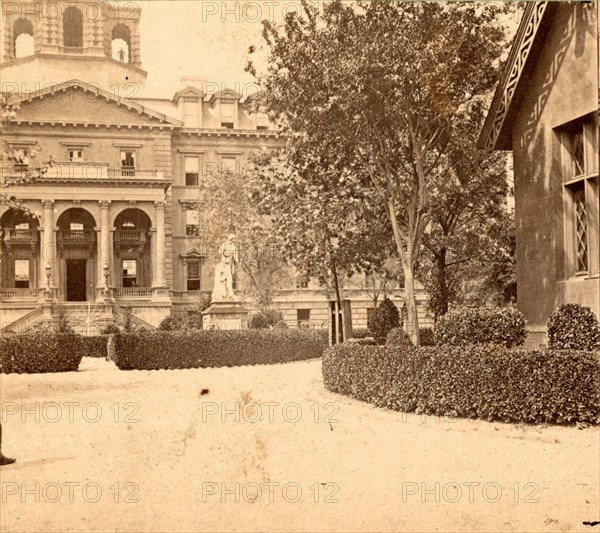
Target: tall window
21	273
228	115
129	273
191	171
72	28
191	222
193	275
580	176
190	114
303	317
229	164
127	163
120	43
262	121
23	35
21	158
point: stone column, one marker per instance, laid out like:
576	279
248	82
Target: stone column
160	248
105	251
48	250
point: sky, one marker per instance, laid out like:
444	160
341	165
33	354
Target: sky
202	38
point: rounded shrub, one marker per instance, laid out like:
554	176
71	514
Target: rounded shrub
504	326
398	337
572	326
385	318
171	323
426	337
265	319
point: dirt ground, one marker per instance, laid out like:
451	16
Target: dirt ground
266	448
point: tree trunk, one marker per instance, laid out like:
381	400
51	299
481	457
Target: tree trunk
412	320
442	282
338	297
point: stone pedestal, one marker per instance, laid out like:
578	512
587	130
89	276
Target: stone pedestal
225	316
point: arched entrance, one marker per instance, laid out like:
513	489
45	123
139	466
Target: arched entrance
19	253
77	264
133	254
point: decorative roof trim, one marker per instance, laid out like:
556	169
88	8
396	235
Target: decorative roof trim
517	59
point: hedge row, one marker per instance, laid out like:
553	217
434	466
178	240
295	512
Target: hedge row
478	381
202	349
481	325
40	352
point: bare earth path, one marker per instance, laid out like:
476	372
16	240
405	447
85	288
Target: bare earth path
104	450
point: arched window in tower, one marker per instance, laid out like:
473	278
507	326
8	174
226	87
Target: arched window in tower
121	43
72	28
23	32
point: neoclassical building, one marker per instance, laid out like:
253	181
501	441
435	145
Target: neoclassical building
545	111
110	224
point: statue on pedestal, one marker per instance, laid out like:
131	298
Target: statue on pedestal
225	270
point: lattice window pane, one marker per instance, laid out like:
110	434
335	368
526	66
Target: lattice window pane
577	153
581	228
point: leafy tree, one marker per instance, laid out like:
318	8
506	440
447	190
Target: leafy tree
225	206
326	232
377	89
467	236
9	158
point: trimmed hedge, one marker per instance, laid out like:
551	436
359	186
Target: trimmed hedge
489	382
203	349
398	337
573	326
40	352
266	319
481	325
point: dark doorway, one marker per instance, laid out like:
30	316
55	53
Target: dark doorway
76	280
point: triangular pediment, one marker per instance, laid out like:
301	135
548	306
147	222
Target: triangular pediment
225	94
76	102
189	92
194	253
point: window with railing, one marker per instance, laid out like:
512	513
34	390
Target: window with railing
76	155
129	273
20	158
128	163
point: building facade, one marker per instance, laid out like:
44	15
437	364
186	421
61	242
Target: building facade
546	111
110	223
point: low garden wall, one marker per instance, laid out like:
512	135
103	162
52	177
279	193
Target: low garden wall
484	381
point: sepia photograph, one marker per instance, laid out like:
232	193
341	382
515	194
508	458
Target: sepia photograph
299	266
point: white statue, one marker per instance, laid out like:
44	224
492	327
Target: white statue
224	272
